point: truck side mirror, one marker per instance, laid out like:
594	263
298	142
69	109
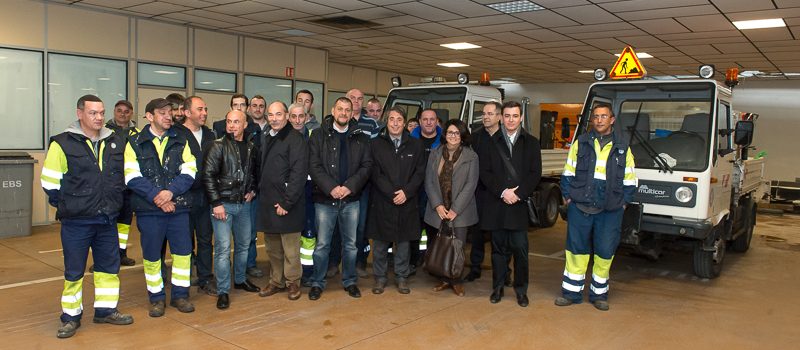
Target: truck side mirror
565	128
744	133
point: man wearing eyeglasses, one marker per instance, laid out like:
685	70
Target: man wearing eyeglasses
597	183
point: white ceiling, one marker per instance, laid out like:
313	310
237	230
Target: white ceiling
542	46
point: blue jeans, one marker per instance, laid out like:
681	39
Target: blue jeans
327	215
251	250
238	221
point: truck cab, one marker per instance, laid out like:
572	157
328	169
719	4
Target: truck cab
689	170
450	101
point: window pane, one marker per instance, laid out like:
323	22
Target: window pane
270	88
214	81
316	90
161	75
71	77
21	95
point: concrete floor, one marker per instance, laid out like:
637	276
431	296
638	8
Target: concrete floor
653	305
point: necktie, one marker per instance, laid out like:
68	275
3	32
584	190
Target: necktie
396	143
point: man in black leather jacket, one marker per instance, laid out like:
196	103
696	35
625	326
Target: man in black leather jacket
229	179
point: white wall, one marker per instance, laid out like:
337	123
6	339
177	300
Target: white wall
778	106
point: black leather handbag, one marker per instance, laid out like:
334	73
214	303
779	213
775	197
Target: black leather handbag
446	257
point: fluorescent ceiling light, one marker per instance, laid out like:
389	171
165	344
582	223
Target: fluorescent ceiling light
638	54
87	89
54	84
460	46
587	71
22	88
3	57
168	72
223	89
206	82
516	6
760	23
283	85
750	73
104	79
452	64
791	74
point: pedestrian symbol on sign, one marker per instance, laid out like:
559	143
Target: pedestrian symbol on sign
627	66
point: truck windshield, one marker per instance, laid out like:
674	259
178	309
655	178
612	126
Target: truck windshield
447	102
667	125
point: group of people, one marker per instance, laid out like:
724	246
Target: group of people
319	190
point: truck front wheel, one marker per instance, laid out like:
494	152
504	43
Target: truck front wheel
708	264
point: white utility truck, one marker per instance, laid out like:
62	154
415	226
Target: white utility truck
696	182
466	102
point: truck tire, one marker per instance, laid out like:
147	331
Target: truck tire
742	243
550	210
708	264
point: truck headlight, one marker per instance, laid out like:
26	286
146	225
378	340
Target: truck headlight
683	194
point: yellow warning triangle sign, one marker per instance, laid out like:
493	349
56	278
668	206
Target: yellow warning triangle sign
627	66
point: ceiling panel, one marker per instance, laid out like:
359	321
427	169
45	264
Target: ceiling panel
463	8
587	14
509	27
743	5
541	46
668	12
481	21
242	8
615	6
706	23
275	15
117	4
661	26
543	35
424	11
546	19
155	8
234	20
768	34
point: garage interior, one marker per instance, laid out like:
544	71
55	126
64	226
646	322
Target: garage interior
546	52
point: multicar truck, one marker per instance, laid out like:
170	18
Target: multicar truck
696	182
466	102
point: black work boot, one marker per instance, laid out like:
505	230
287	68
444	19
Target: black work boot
124	260
68	329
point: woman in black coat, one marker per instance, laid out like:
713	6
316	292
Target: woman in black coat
393	217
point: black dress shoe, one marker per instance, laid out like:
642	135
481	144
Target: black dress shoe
522	300
472	275
497	294
223	301
353	291
247	286
314	293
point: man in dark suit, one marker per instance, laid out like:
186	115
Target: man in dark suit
507	188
